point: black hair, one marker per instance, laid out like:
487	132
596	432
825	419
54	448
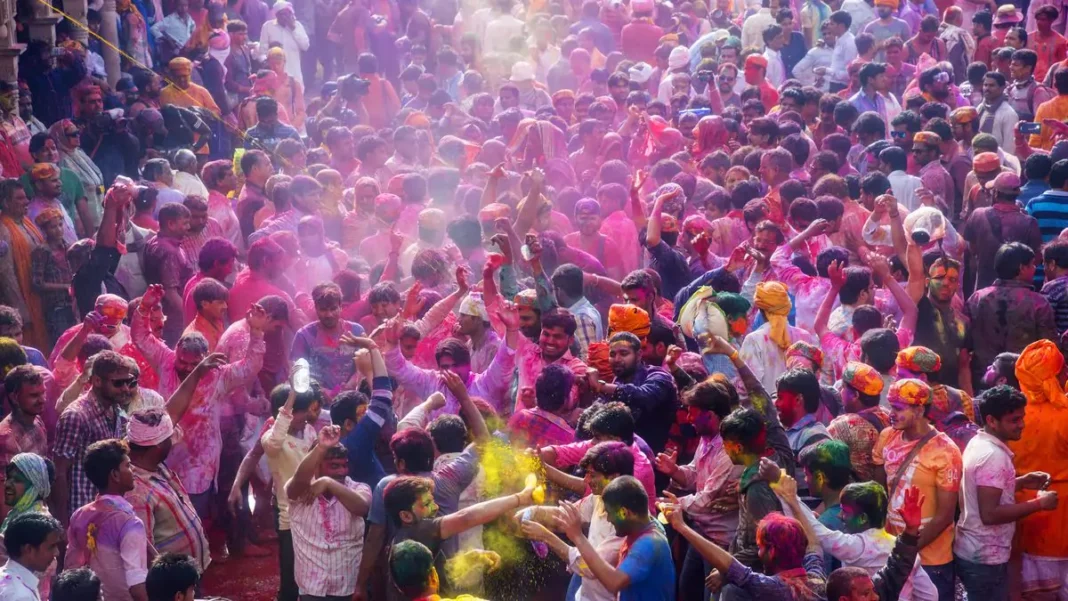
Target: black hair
999	401
870	498
1058	174
449	433
615	420
402	493
831	255
870	71
875	183
804	383
745	426
1011	259
77	585
29	529
1026	56
857	280
831	458
415	448
303	401
171	574
713	394
626	492
896	157
880	347
609	458
345	405
568	277
102	458
552	389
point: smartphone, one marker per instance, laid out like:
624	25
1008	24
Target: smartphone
1030	127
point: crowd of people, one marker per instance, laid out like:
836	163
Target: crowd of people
549	300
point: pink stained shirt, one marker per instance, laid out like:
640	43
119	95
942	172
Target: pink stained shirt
328	543
727	233
530	363
196	457
602	248
621	228
714	479
222	210
568	455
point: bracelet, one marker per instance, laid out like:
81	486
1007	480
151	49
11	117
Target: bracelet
733	356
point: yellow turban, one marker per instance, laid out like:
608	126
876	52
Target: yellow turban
181	66
628	318
43	171
1038	370
276	54
772	299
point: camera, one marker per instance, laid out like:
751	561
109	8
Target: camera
921	236
705	76
352	87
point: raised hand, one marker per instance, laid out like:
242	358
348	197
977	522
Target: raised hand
667	463
786	488
508	313
537	178
395	240
212	361
568	520
412	303
257	318
673	354
879	266
526	397
672	511
437	400
152	297
456	386
739	258
912	509
461	279
836	273
497	172
330	436
769	471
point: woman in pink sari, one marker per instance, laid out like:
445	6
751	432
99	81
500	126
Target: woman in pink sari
711	135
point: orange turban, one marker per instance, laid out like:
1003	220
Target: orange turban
774	301
47	215
1038	370
909	391
43	171
863	378
597	358
628	318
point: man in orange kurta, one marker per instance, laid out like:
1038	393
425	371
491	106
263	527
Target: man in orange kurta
1043	447
184	93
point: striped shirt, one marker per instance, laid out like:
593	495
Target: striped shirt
1051	210
162	503
1056	292
327	543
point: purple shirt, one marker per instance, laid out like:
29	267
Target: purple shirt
108	537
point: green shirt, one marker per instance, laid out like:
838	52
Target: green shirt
71	186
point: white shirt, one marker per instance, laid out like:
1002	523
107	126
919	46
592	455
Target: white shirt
499	33
293	41
776	73
190	185
765	357
845	50
861	12
819	56
1004	131
327	543
753	29
17	583
904	186
603	538
869	550
987	462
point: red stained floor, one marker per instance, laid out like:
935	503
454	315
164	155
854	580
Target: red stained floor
244	578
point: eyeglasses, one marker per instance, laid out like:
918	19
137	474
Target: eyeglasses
130	382
73	134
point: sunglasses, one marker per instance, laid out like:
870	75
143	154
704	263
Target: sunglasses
130	382
73	134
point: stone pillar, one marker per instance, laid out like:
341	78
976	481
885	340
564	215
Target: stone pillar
42	22
109	29
78	10
9	49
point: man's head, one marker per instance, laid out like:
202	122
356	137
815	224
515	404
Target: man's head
993	86
198	213
452	354
827	466
411	565
188	353
384	300
46	182
409	500
604	462
864	506
708	403
107	465
552	389
413	451
77	585
1015	261
306	407
1022	66
557	332
327	299
32	539
25	390
257	167
174	220
1002	409
781	542
172	577
113	379
798	395
744	436
909	399
624	354
627	505
943	276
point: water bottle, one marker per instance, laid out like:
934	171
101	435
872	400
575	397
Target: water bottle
301	376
